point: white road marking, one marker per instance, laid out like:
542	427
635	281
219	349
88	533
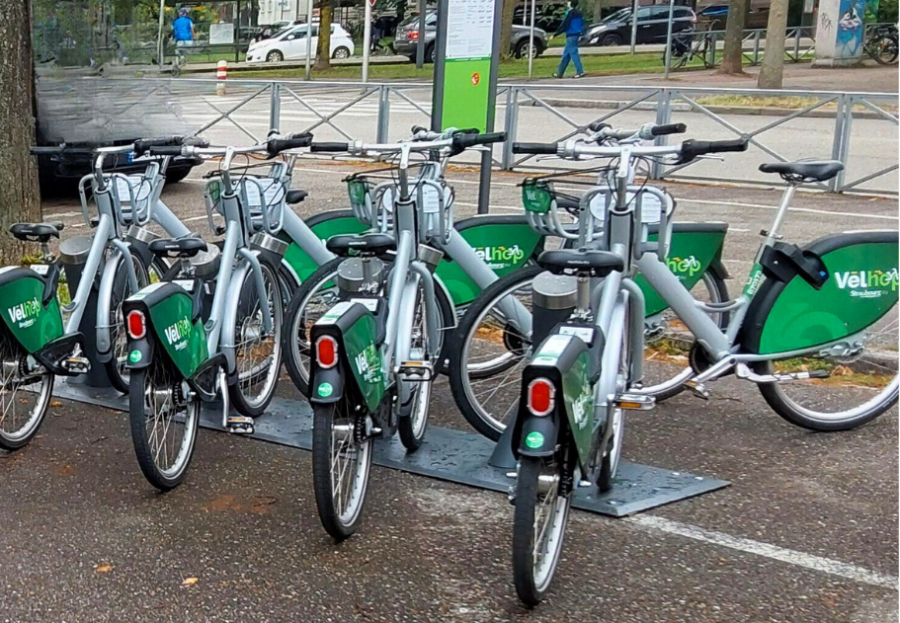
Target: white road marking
789	556
792	209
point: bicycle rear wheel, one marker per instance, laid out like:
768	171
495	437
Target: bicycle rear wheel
859	385
117	366
24	395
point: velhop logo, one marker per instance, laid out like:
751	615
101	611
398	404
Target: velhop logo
500	257
368	366
867	284
24	314
177	334
684	266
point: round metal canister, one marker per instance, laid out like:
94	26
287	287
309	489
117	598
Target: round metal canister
430	256
554	298
74	251
206	263
141	234
354	272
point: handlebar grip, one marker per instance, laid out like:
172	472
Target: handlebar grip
275	146
596	126
142	145
418	128
165	150
535	148
668	128
462	141
329	147
690	149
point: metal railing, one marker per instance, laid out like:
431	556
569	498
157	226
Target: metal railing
859	129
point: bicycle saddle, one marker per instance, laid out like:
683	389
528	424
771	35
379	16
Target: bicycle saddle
177	247
362	244
814	170
36	232
570	261
295	196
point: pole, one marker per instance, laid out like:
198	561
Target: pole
487	162
367	41
309	13
437	88
531	39
634	11
420	46
159	43
669	38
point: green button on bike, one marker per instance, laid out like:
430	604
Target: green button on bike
325	390
534	440
135	356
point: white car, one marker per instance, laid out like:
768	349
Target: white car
290	44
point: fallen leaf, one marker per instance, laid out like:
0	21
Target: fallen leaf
106	568
56	403
189	581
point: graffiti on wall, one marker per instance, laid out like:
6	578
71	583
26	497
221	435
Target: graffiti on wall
851	29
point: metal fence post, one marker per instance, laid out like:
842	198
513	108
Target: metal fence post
712	49
511	121
840	149
797	34
384	113
663	116
756	47
275	109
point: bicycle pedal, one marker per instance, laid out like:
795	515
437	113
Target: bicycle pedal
77	365
415	371
698	389
239	425
635	402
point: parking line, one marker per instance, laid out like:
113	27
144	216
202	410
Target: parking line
789	556
791	209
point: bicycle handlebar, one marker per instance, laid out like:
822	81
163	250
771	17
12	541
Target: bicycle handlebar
329	147
669	128
691	148
536	148
458	141
275	146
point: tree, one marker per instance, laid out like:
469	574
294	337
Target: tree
19	195
732	57
772	71
323	48
506	20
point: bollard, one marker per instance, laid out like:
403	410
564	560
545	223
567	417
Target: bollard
221	75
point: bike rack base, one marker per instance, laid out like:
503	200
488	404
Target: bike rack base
452	455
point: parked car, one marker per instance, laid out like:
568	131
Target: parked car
652	26
290	44
548	16
407	39
716	15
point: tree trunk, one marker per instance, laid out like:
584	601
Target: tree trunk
732	57
506	20
323	48
772	71
19	195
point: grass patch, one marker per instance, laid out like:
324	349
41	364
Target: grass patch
647	62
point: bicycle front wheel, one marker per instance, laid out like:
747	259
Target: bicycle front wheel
257	352
342	460
163	424
854	387
539	527
24	395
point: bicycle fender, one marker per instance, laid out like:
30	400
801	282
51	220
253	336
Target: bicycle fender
31	322
326	386
140	353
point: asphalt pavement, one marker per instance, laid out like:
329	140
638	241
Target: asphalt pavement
806	533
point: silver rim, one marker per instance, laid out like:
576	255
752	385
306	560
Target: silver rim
503	366
118	336
22	406
341	53
256	354
313	306
350	463
419	350
550	514
169	429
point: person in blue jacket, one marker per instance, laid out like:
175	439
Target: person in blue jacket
183	28
572	25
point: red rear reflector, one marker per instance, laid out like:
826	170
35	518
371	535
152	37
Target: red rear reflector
137	326
541	395
414	36
326	351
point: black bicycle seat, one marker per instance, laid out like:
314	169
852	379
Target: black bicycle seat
295	196
810	170
177	247
570	261
362	244
36	232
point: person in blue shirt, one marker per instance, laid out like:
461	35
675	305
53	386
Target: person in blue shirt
572	25
183	28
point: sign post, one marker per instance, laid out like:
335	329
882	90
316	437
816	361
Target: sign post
367	40
309	16
465	79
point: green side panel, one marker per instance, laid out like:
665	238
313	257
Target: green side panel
861	289
536	197
690	255
503	247
32	324
579	399
466	91
301	262
363	356
185	342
